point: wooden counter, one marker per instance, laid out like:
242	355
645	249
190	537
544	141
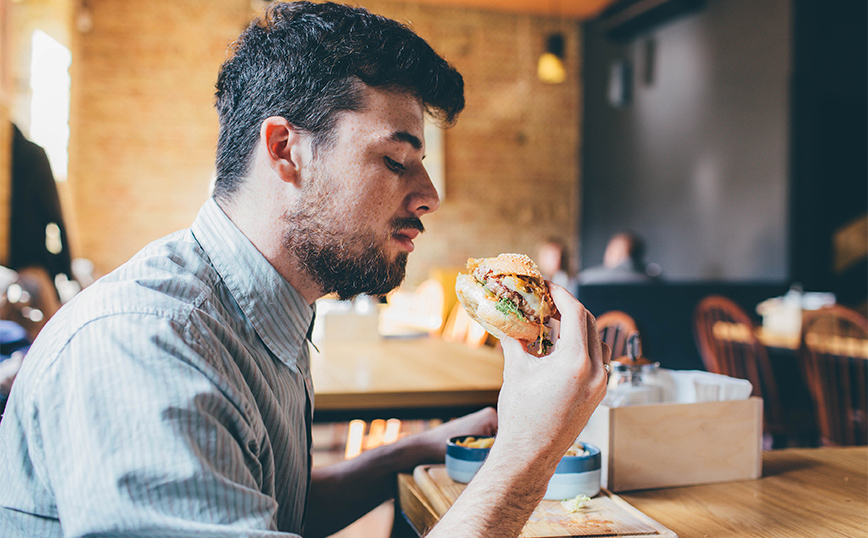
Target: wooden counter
803	493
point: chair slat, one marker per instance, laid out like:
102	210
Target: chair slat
734	350
831	344
615	327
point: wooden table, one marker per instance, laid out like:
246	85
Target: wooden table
778	340
423	377
806	492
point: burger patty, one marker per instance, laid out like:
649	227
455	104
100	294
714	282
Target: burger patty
496	286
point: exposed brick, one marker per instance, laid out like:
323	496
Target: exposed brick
144	129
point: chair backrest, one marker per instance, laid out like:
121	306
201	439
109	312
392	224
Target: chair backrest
460	327
430	300
446	276
615	327
728	345
834	354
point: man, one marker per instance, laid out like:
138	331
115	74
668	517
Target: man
173	397
623	263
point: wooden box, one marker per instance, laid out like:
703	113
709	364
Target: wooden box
679	444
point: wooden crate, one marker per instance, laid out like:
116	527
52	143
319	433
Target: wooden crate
663	445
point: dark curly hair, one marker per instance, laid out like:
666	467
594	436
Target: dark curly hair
304	62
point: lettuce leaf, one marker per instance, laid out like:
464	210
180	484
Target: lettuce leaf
576	503
508	307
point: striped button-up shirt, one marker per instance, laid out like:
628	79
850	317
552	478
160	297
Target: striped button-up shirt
171	398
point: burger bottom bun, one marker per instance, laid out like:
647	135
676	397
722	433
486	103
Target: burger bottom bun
482	308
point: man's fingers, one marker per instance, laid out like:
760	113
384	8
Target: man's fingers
566	304
551	285
511	345
513	353
593	333
594	344
594	341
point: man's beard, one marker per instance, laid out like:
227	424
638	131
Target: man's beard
345	262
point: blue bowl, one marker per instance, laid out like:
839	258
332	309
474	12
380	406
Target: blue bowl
574	475
462	462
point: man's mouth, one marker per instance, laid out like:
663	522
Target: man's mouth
406	230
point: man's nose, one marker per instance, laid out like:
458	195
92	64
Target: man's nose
424	198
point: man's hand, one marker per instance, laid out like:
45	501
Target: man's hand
545	401
432	443
343	492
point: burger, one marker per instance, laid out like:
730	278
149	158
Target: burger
507	296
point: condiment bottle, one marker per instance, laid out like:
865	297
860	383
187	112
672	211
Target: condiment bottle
632	380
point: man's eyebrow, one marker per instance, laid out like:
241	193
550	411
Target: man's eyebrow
402	136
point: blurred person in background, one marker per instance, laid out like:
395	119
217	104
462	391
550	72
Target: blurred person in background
553	259
37	231
623	263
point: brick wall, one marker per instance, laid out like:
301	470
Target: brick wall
144	128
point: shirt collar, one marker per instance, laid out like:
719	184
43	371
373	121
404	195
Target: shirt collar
278	313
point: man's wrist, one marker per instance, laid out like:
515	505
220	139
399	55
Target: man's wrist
499	500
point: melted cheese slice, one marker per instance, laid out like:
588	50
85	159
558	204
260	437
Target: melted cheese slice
519	286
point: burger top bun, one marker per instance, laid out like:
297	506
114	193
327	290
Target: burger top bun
506	264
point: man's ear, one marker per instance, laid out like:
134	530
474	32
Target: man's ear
285	148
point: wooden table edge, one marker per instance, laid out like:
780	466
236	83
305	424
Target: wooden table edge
405	399
419	512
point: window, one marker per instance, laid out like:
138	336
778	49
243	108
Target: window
49	105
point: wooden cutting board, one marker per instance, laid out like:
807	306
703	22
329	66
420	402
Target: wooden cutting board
604	515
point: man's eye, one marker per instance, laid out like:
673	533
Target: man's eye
393	165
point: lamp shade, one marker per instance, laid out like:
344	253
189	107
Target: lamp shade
550	68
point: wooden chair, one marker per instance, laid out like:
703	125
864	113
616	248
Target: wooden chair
728	345
834	355
460	327
615	327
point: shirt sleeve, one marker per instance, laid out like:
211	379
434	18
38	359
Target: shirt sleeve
142	436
